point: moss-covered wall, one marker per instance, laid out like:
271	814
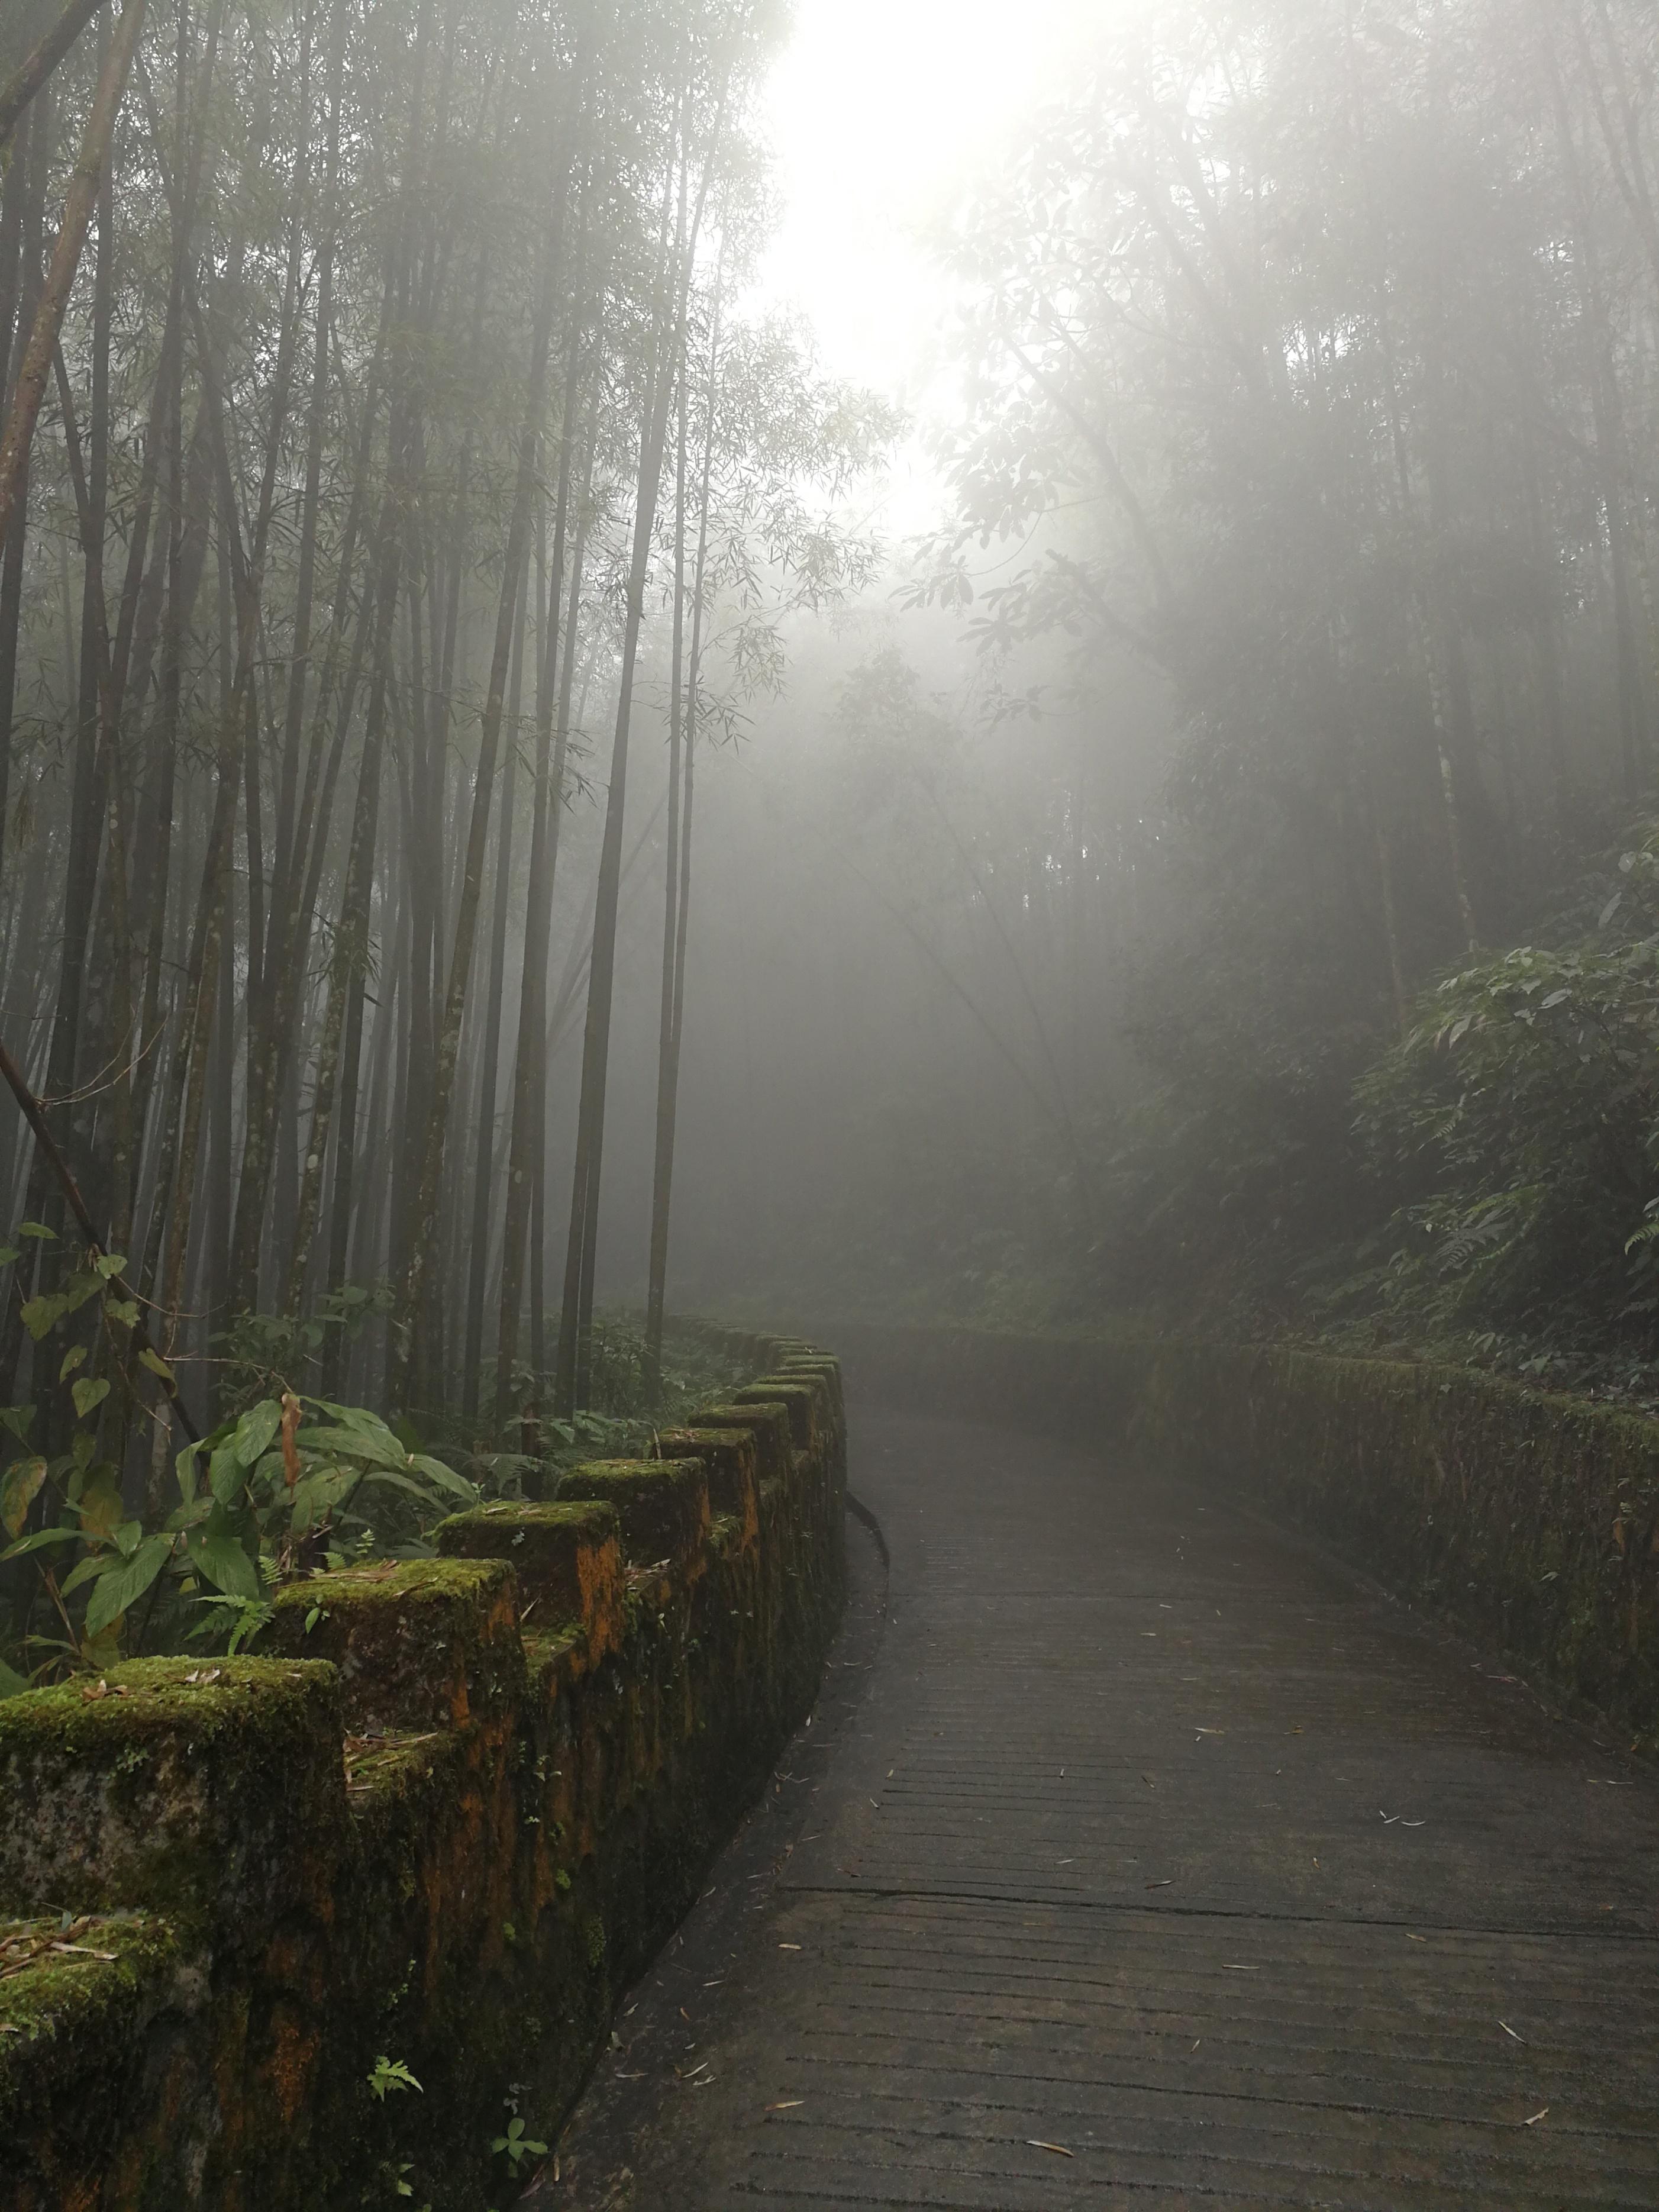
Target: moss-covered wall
442	1822
1531	1519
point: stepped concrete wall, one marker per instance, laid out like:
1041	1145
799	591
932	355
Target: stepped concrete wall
439	1824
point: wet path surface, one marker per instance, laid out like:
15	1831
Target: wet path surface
1138	1855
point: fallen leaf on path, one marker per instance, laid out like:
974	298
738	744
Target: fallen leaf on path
1536	2117
788	2105
1058	2149
789	1946
1507	2030
1227	1968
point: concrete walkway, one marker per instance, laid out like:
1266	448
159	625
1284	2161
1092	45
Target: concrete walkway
1142	1858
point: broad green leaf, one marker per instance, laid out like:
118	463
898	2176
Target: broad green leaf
39	1315
79	1289
383	1448
125	1310
38	1542
399	1481
83	1570
89	1395
37	1229
12	1684
17	1421
111	1265
316	1495
255	1431
446	1478
103	1650
122	1585
350	1417
225	1473
7	1254
224	1563
20	1486
185	1467
156	1364
270	1472
101	1508
127	1537
74	1358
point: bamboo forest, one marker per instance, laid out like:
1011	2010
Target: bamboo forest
693	686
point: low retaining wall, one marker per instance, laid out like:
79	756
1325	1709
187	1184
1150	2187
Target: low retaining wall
1532	1520
437	1828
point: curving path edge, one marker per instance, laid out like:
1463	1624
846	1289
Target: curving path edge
1138	1855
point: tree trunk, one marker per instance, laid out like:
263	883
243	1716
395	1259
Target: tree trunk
36	366
489	1074
518	548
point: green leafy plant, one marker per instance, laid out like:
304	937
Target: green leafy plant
516	2146
388	2075
288	1484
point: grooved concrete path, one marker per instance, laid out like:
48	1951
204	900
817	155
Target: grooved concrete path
1158	1863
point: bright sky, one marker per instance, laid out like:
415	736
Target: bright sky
878	111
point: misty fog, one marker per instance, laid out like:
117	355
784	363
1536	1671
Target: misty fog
824	665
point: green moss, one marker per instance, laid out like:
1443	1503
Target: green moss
662	1504
800	1400
768	1424
566	1556
729	1461
75	1972
422	1644
168	1782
